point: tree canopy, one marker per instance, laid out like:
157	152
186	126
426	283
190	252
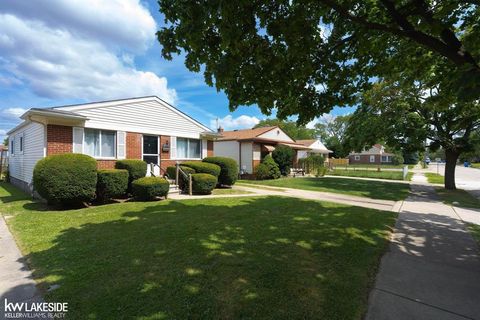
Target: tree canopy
305	57
296	132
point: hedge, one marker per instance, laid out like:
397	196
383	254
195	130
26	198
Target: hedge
268	169
148	188
228	169
136	169
111	183
66	179
203	183
283	156
203	167
182	181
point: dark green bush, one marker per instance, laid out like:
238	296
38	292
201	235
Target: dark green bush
182	181
268	169
228	169
136	169
111	183
283	156
203	167
320	172
67	179
203	183
148	188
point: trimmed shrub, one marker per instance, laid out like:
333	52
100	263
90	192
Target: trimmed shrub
136	169
321	171
228	169
283	156
182	181
203	167
111	183
66	179
203	183
148	188
268	169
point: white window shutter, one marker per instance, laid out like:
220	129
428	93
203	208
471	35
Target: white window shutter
204	149
173	147
121	143
77	140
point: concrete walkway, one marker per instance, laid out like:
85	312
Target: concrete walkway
432	268
16	282
387	205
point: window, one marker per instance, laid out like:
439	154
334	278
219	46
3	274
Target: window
357	158
12	146
20	143
385	158
150	149
99	143
188	148
372	158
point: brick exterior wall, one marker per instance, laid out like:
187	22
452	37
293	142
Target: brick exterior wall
59	139
209	148
164	140
134	145
106	164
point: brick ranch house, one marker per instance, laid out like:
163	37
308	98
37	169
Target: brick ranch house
248	147
375	155
144	128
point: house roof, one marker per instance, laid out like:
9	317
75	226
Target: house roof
245	134
307	142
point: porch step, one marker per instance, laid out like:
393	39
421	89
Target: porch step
174	188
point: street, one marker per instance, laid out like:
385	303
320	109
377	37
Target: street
465	178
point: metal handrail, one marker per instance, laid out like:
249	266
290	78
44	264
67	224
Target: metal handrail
185	175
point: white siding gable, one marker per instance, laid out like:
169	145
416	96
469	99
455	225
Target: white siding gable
21	164
318	145
146	115
276	134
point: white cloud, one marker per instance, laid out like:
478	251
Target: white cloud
229	123
82	54
13	112
326	118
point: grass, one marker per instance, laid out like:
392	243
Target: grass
223	258
462	197
374	166
474	231
389	175
435	178
229	191
356	187
248	183
476	165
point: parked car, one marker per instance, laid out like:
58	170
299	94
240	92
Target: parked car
427	160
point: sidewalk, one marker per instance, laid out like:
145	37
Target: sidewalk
386	205
432	269
16	283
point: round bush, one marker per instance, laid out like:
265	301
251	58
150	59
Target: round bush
111	183
136	169
268	169
228	169
283	156
203	183
182	181
148	188
203	167
66	179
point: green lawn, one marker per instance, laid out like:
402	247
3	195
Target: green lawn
226	258
476	165
375	166
463	198
356	187
229	191
435	178
475	231
389	175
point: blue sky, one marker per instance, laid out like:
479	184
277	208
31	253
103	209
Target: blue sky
56	52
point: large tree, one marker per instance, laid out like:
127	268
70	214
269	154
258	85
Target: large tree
305	57
414	117
332	132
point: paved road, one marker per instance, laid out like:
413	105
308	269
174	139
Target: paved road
465	178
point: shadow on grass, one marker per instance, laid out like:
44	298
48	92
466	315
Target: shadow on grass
219	258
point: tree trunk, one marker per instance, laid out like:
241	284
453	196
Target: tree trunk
451	157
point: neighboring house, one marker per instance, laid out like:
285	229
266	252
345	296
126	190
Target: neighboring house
145	128
375	155
249	147
316	147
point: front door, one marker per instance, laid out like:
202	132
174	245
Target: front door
150	149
